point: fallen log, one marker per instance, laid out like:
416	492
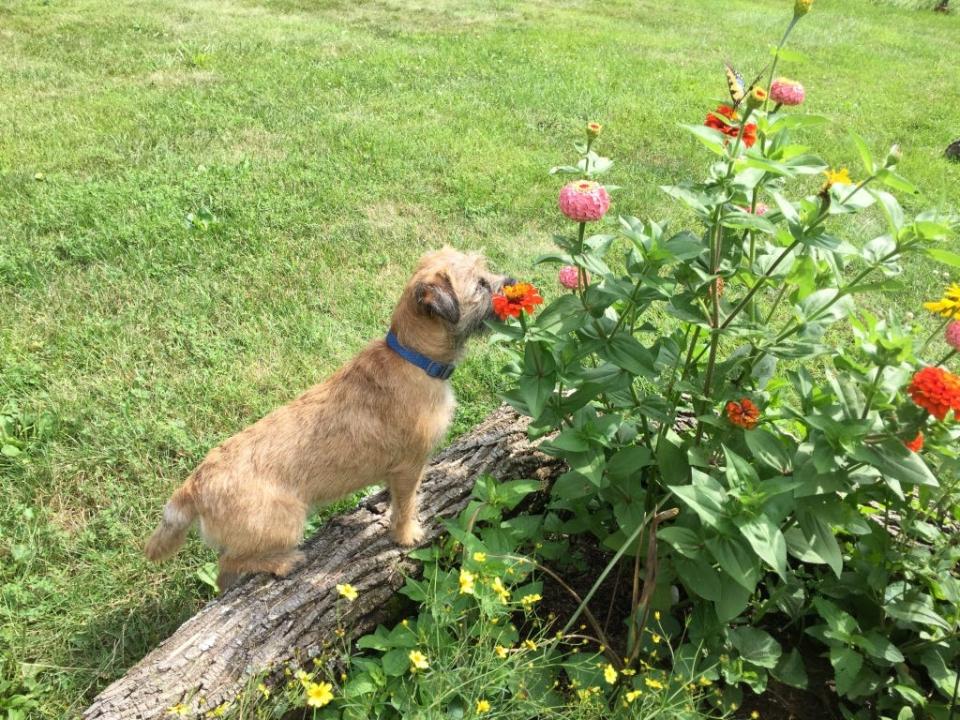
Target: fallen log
265	622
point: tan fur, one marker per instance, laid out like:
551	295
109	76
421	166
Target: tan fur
375	420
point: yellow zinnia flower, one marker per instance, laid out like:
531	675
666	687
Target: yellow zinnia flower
348	591
482	706
418	661
319	694
837	177
467	579
949	305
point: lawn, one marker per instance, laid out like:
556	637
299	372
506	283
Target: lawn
206	206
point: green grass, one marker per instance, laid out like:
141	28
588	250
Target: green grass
320	148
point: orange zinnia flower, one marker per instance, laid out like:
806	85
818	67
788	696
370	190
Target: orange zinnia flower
915	445
743	414
936	391
732	130
515	298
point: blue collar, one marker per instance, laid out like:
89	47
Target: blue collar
434	369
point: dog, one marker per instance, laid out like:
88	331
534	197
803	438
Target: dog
374	421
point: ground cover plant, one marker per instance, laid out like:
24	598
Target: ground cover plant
194	198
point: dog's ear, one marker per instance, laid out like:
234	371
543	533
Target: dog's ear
438	298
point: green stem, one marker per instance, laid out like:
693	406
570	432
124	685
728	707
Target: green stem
776	56
946	357
760	282
872	392
932	335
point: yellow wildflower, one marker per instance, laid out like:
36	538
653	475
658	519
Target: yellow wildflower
529	644
319	694
705	681
500	590
480	557
653	684
348	591
500	651
303	677
656	639
418	661
754	715
179	710
628	672
264	690
949	305
610	674
467	579
633	695
482	706
656	615
528	600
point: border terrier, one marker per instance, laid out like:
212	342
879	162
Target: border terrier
375	421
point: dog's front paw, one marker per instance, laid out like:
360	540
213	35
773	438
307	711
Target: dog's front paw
408	535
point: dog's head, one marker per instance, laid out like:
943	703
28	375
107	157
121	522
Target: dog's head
449	296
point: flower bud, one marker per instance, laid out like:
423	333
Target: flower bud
756	98
593	129
893	156
802	7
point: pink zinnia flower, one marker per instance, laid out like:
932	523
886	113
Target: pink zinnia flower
784	91
761	208
569	277
953	335
584	200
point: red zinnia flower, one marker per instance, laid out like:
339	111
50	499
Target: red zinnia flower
731	130
744	413
515	298
936	391
915	445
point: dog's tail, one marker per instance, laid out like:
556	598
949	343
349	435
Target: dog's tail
178	515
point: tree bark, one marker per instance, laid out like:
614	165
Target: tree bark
264	622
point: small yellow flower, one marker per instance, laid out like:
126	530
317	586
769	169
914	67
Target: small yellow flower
219	711
467	579
528	600
264	690
500	590
656	639
610	674
837	177
348	591
339	632
303	677
628	672
180	710
949	305
482	706
480	557
319	694
418	661
653	684
501	652
802	7
754	715
705	681
529	644
633	695
656	615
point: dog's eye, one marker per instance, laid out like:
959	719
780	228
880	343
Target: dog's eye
483	284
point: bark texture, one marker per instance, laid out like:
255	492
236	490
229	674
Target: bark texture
264	622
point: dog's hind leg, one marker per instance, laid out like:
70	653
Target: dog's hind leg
404	524
280	564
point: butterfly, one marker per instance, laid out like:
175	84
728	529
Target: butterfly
735	84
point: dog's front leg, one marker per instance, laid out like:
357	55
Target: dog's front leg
404	524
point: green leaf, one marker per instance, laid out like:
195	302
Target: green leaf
879	647
894	461
626	463
822	542
626	352
560	317
786	54
9	450
396	662
917	611
740	474
756	646
790	670
733	600
944	257
768	449
683	540
892	179
767	542
843	624
714	140
864	150
737	561
672	461
699	577
846	666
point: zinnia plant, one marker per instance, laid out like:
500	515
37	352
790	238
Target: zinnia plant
812	470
